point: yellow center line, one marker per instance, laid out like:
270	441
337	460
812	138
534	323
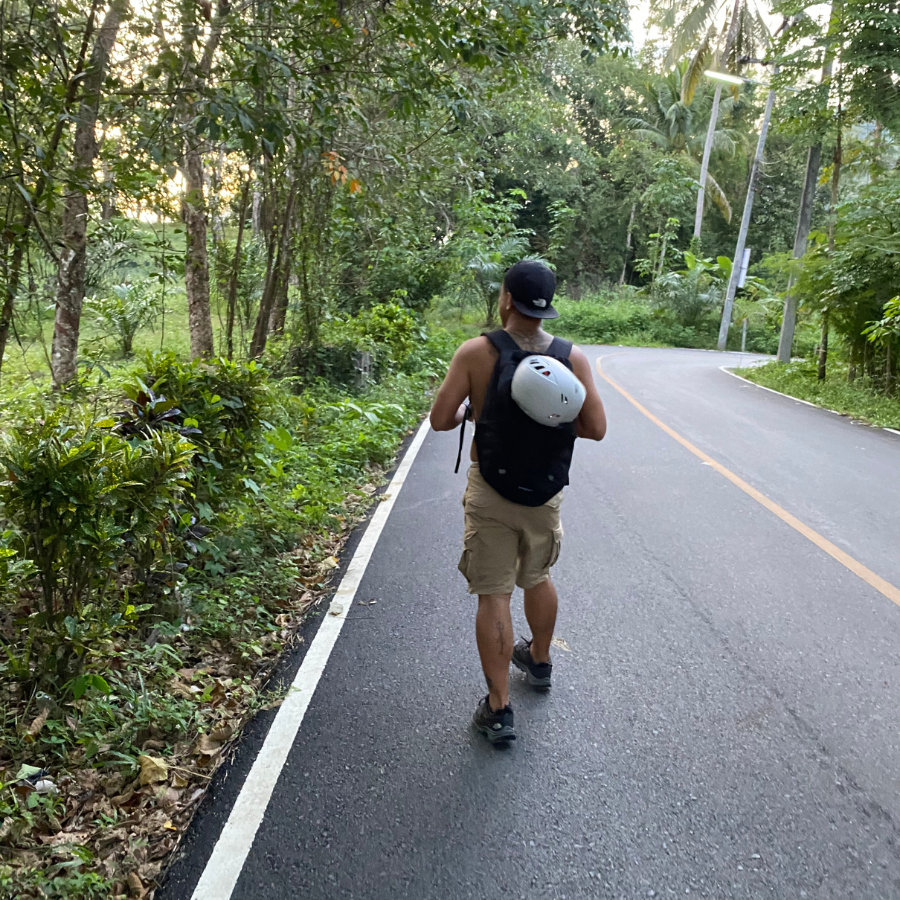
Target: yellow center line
856	567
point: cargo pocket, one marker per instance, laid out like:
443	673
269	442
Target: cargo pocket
464	562
555	545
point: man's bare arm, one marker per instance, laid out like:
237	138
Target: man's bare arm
448	409
591	421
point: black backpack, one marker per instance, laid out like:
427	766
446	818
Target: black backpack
522	460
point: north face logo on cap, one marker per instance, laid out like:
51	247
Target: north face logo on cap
539	302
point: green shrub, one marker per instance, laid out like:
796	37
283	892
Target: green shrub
388	331
391	330
122	313
628	321
223	400
82	503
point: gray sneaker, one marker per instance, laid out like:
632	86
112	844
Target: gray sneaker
497	727
537	674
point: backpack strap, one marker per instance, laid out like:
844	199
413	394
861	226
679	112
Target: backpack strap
502	342
462	436
560	348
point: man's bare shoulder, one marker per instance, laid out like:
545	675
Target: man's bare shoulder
576	354
580	363
476	351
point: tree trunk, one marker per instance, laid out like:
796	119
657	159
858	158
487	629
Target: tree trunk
801	238
215	189
714	121
257	209
628	244
823	348
9	295
837	161
70	279
662	253
196	256
193	203
261	330
804	218
279	308
28	211
235	274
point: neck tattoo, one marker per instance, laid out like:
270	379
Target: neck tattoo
535	342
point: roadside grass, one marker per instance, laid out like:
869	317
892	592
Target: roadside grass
859	399
27	358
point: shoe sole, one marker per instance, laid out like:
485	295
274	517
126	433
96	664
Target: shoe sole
504	736
539	684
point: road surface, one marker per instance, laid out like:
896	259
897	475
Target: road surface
723	724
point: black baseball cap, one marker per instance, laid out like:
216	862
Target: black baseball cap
531	285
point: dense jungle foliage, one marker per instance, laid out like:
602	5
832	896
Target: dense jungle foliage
239	243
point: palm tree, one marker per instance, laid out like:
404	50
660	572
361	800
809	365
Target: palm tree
694	25
680	127
486	270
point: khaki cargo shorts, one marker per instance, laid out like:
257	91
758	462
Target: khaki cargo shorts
507	544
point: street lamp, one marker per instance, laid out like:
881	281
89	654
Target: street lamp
740	79
748	202
724	76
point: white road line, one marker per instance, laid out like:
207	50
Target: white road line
762	387
227	860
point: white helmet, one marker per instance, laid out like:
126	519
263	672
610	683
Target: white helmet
547	391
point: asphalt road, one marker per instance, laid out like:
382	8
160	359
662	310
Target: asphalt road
723	724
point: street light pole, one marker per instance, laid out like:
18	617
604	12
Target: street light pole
745	224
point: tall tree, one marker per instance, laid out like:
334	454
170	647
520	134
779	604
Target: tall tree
195	75
81	181
42	61
807	198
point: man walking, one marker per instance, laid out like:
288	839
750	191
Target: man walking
514	490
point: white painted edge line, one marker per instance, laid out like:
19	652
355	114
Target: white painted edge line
230	852
762	387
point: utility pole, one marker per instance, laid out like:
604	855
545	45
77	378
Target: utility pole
801	237
745	224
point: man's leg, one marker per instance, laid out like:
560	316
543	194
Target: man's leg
540	610
494	634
